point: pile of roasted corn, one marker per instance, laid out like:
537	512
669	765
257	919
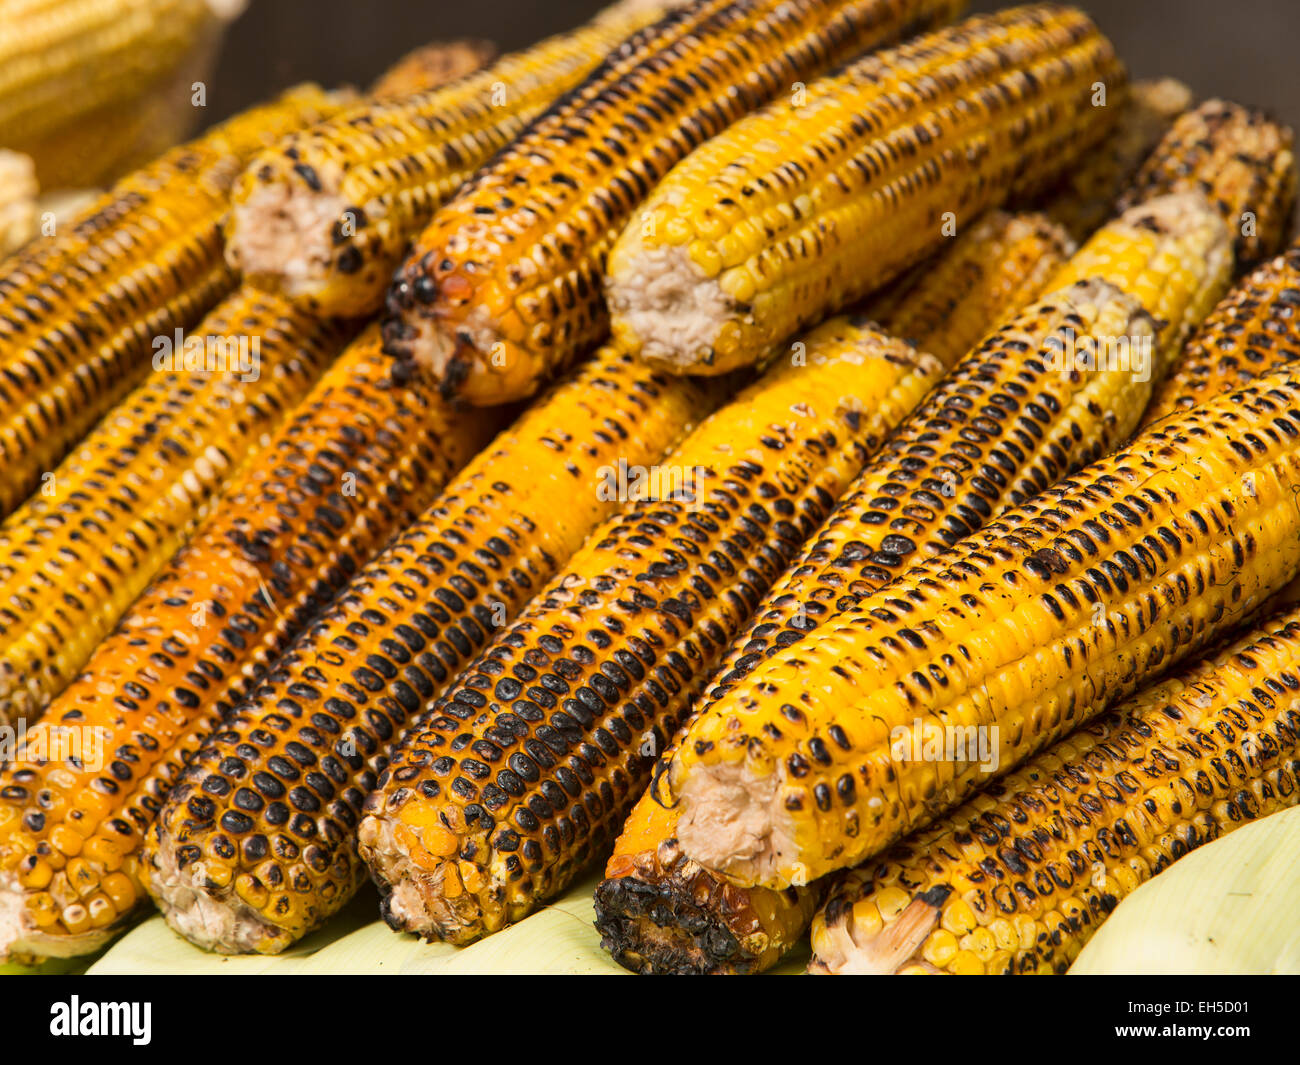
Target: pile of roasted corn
836	463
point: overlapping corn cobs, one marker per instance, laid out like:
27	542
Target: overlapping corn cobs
1255	328
356	461
504	287
1087	197
432	66
18	192
783	218
80	310
257	844
325	216
824	754
75	555
1042	396
1018	879
1242	161
516	779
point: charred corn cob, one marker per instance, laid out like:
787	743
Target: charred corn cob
80	310
433	66
357	460
1254	329
505	285
830	751
518	777
325	217
82	548
777	221
1018	879
1241	161
1088	196
18	192
400	632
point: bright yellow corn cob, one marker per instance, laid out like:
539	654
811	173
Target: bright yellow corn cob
783	218
824	754
18	192
399	633
504	287
1087	197
79	310
1018	879
1254	329
1241	161
357	460
432	66
82	548
325	217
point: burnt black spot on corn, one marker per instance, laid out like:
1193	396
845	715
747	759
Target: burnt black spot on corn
522	774
79	310
115	510
516	261
272	801
357	460
1066	604
783	218
1018	879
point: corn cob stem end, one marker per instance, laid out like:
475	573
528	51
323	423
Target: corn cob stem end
279	240
848	951
22	941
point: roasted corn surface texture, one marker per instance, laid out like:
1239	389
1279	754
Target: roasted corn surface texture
256	845
1173	254
356	461
1088	195
325	217
1255	328
1018	879
81	309
432	66
504	287
792	213
1009	420
18	192
75	555
1241	160
830	751
524	772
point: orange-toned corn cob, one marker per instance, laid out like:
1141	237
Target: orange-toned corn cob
356	461
433	65
1018	879
504	287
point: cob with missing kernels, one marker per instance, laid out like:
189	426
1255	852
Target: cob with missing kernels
504	287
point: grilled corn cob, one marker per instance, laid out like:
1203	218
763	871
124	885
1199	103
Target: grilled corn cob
357	460
325	217
505	285
1240	160
1018	879
1254	329
18	192
82	548
400	632
1064	605
80	310
1087	197
433	66
776	222
498	798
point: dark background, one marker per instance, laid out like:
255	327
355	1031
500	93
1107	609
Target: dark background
1246	50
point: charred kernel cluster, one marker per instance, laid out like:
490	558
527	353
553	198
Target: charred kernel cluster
1054	611
504	287
1254	329
777	222
277	851
1240	160
79	310
72	560
1018	879
432	66
325	216
521	774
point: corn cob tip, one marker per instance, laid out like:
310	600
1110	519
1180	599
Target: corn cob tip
21	938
